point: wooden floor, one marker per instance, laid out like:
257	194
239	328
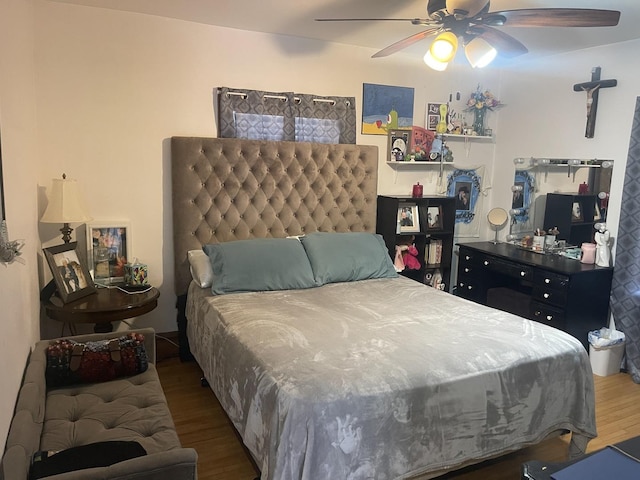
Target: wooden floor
202	424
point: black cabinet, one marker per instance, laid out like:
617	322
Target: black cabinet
434	233
573	215
558	291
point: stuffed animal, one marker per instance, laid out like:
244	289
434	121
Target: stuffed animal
406	257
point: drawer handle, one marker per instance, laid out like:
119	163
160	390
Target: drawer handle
537	313
549	317
469	287
546	295
546	280
466	270
467	257
461	284
522	274
486	262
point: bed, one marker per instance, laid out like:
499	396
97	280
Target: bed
332	366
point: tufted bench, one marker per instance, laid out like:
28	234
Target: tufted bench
125	409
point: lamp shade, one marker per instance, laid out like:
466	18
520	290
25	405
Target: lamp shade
444	47
433	63
480	53
65	204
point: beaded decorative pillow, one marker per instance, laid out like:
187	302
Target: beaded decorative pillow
70	362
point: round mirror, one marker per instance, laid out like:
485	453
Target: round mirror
497	218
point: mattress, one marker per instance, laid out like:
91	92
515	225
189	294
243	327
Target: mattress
384	378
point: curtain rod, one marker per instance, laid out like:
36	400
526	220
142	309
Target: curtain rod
283	98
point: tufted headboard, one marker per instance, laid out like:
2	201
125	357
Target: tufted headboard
230	189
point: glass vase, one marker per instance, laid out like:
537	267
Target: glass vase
478	120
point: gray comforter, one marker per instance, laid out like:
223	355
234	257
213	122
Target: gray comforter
386	378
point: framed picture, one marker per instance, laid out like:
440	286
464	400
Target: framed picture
398	145
576	212
433	115
386	107
70	275
596	212
109	247
408	218
434	217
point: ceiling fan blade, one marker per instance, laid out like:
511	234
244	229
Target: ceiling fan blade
365	19
506	45
406	42
558	17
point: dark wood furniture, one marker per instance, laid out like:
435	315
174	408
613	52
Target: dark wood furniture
101	308
537	470
387	226
559	212
555	290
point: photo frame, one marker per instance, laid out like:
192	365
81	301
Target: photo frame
434	217
597	215
408	218
109	246
576	212
433	115
399	142
70	274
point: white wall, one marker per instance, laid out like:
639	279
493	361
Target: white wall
18	282
113	87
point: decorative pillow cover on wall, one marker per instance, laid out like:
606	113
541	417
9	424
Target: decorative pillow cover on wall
259	265
346	257
70	362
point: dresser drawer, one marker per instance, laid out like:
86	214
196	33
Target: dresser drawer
551	280
549	295
469	288
547	314
468	257
504	267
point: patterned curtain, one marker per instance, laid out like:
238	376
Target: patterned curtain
261	115
625	291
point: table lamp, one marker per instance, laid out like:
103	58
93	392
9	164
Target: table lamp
65	206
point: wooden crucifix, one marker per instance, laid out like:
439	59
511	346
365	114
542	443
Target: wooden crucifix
592	88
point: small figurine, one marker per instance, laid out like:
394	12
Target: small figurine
602	237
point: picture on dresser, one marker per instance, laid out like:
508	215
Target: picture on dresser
576	212
596	213
408	218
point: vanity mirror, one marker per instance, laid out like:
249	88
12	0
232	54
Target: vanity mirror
536	177
497	218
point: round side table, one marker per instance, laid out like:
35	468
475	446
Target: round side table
101	308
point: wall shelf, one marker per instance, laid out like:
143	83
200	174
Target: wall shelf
480	138
417	164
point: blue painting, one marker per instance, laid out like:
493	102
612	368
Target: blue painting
386	108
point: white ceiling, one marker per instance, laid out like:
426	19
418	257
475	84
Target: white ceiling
296	18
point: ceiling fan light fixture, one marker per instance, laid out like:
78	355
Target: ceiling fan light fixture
465	8
444	47
433	63
480	53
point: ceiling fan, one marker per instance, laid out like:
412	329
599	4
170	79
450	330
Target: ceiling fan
473	23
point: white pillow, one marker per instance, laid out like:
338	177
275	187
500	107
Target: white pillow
200	267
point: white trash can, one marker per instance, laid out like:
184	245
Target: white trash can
606	361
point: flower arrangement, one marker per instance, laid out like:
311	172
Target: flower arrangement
479	102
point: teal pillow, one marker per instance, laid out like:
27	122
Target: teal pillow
258	265
345	257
